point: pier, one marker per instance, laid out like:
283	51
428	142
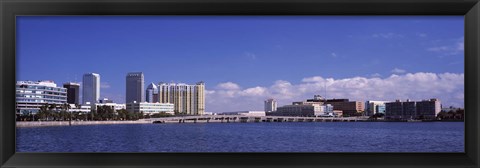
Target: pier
248	119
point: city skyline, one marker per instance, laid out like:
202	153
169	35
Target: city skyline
385	57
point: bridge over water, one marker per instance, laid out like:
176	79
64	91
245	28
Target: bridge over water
244	119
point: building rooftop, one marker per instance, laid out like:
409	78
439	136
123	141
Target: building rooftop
49	83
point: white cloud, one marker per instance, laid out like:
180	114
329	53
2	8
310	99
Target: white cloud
437	49
448	87
104	85
255	91
228	86
387	35
450	49
460	46
398	71
376	75
421	34
250	55
334	55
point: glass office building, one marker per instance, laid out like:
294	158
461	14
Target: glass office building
91	88
135	87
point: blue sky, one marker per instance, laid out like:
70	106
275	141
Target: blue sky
238	53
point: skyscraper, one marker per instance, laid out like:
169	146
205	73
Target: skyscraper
270	105
73	92
135	87
152	93
187	99
91	88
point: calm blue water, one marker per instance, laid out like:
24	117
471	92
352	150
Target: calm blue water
247	137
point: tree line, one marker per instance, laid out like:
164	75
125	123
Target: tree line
51	112
458	114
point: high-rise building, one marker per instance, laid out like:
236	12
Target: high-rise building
30	96
91	88
73	92
152	93
270	105
187	99
135	87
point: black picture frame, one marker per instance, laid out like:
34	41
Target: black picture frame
11	8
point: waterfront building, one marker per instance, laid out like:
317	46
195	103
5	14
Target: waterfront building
112	105
87	108
31	95
428	109
310	107
135	87
246	113
425	109
270	105
152	93
187	99
73	92
326	110
338	113
394	110
306	110
209	113
351	108
409	109
91	88
149	108
374	107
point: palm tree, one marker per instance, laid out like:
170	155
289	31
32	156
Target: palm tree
43	112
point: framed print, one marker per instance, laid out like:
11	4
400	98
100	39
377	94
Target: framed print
253	83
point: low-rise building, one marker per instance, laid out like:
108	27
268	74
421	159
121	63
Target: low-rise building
306	110
246	113
113	106
31	95
149	108
425	109
80	108
374	107
351	108
428	109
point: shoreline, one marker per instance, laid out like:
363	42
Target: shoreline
26	124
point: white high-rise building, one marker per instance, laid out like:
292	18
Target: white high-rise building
91	88
270	105
187	99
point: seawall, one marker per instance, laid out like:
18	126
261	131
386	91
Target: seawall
67	123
